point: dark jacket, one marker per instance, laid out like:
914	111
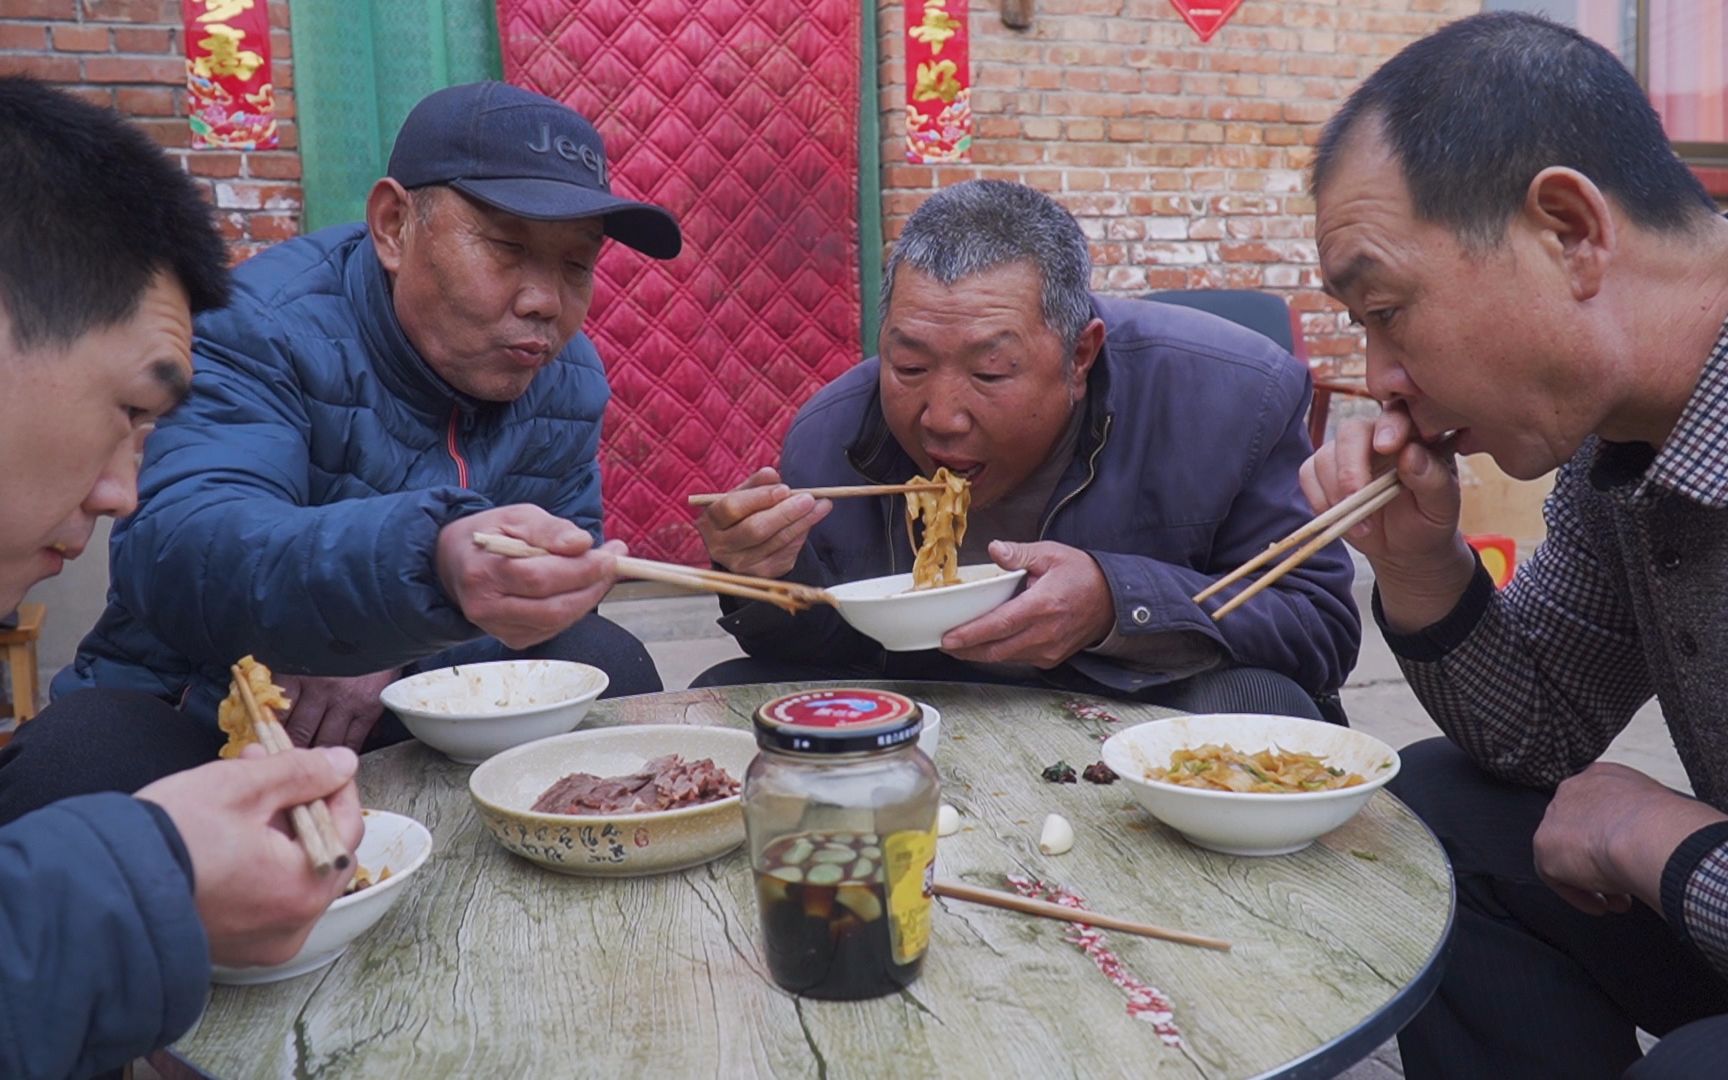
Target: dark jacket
291	507
1186	467
102	956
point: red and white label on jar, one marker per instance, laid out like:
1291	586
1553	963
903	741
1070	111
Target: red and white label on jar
839	709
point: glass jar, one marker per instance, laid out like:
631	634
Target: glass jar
840	809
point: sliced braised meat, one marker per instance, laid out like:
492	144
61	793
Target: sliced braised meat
664	783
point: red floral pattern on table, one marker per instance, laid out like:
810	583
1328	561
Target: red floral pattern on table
232	104
741	117
1145	1002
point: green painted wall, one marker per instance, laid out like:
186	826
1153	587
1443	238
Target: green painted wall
359	66
869	182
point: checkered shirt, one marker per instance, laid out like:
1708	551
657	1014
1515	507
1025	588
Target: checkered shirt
1616	605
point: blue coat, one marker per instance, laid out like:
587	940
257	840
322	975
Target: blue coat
1186	467
291	507
102	956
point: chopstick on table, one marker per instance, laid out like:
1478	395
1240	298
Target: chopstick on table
712	497
312	822
955	890
1322	530
787	595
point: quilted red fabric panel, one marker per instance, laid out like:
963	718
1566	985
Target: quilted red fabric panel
741	117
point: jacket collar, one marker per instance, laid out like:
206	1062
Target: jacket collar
404	373
879	458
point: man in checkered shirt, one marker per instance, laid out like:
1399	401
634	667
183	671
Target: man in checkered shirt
1538	272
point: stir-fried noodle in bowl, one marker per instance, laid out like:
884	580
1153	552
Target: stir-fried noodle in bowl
942	515
1268	772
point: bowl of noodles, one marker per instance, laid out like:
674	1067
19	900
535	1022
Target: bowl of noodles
904	619
393	847
1247	783
909	612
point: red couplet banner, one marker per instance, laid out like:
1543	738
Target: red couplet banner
232	103
938	83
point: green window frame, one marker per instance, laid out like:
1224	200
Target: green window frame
359	66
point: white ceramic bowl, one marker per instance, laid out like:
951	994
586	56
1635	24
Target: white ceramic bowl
887	609
1242	823
931	735
473	711
612	845
392	842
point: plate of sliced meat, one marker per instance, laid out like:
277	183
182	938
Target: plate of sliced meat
618	801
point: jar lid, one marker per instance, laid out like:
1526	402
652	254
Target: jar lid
847	720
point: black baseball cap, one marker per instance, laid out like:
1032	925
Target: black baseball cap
527	155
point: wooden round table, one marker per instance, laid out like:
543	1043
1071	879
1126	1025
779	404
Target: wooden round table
490	966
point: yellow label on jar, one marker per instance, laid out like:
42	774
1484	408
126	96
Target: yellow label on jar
910	864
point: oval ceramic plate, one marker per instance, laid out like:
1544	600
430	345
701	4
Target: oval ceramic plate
611	845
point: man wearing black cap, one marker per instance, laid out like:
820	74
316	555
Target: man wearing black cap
373	396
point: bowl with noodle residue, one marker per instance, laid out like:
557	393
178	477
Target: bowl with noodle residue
472	711
903	620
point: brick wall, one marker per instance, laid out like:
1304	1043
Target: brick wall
1185	163
129	54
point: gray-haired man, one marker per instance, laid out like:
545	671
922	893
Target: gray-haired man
1124	453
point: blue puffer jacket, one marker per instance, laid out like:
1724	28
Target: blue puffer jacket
102	956
1186	467
291	507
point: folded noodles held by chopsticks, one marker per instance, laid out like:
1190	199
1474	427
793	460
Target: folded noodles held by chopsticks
231	715
943	514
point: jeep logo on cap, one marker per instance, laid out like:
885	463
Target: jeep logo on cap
570	150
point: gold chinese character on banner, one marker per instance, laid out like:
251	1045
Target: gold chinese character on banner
938	26
937	81
223	10
223	55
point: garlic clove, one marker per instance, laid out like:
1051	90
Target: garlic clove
1057	835
947	820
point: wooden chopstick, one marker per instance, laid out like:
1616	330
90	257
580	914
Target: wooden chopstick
1330	525
312	822
1344	508
955	890
788	595
1339	528
712	497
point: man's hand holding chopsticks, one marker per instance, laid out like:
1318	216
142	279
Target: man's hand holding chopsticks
1421	562
523	602
760	526
256	894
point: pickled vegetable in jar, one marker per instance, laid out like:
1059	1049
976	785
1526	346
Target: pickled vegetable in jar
840	808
